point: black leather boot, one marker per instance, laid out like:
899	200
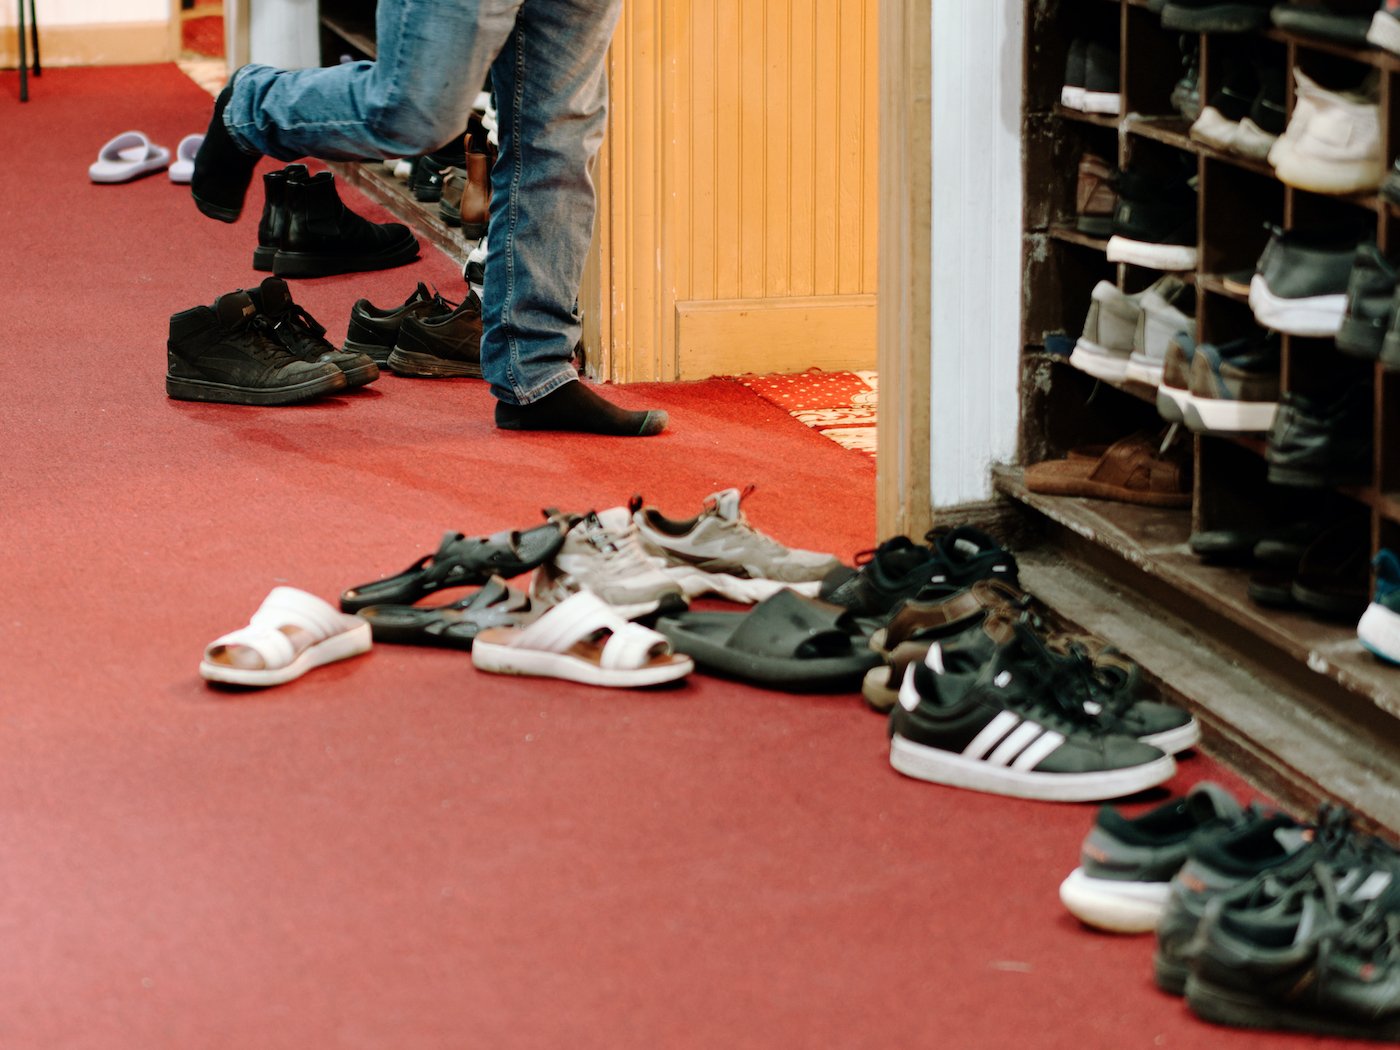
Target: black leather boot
272	227
325	237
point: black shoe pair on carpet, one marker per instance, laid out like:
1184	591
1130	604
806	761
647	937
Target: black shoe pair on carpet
257	347
427	337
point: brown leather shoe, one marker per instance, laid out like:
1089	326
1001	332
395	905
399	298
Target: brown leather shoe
476	196
1094	198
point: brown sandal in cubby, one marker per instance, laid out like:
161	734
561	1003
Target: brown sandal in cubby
1130	471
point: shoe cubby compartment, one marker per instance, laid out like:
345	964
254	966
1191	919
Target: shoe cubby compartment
347	30
1344	698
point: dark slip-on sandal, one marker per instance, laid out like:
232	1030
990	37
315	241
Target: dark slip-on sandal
453	626
786	642
460	561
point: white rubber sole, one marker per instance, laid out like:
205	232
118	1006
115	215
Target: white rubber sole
943	767
1169	257
341	646
1219	416
1318	316
1104	102
1171	403
1214	129
1384	32
1099	362
1298	169
1114	905
1175	741
1144	371
1072	97
1379	631
506	659
1252	141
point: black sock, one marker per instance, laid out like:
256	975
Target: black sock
222	171
574	406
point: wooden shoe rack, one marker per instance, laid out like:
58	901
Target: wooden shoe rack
1322	717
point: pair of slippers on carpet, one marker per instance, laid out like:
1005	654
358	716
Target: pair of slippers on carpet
132	155
788	641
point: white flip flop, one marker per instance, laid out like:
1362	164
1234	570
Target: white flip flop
183	168
321	634
128	156
582	639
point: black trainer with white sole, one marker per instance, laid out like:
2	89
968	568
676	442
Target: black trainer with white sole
1015	733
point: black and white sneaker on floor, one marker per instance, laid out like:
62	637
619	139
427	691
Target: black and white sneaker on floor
1011	731
1155	222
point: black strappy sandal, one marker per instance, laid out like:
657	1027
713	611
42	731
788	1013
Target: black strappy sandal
460	561
452	626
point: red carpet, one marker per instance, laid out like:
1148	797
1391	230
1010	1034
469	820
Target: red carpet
397	852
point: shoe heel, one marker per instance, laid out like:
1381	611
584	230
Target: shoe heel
263	258
474	230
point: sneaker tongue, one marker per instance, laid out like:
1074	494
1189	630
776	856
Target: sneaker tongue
726	504
234	309
276	297
1208	800
615	519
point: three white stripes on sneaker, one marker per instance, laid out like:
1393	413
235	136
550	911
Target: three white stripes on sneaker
1019	742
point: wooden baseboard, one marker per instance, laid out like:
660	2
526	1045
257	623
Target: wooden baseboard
737	336
113	44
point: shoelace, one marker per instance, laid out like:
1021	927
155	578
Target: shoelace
263	341
301	333
623	551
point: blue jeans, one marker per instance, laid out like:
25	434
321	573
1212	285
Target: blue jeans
546	59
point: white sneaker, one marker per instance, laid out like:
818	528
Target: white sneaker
1158	320
1107	343
1337	148
720	541
603	553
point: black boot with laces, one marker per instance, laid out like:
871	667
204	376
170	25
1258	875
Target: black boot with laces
325	237
228	353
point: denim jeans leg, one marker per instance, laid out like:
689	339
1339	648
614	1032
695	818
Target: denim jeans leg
551	99
432	59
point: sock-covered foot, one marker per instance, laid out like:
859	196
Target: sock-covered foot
575	406
222	171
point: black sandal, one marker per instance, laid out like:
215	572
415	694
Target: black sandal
460	561
452	626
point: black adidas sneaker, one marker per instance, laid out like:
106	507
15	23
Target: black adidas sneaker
1018	728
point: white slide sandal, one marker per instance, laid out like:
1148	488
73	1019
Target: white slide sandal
582	639
128	156
183	168
291	633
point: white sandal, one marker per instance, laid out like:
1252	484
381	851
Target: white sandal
582	639
319	634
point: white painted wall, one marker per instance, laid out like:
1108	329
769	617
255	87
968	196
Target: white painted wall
976	293
91	12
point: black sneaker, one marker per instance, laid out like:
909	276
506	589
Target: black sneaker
1072	90
227	353
325	237
1324	20
1212	16
1370	306
1155	222
1018	729
967	555
1268	112
303	336
430	172
900	569
1126	864
442	346
1322	440
1300	282
1101	88
1218	125
1215	865
1313	961
375	331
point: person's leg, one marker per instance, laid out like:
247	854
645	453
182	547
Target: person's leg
432	57
551	99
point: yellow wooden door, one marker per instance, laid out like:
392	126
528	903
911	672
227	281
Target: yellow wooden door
737	191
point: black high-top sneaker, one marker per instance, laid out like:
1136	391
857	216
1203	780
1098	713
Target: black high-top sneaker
439	347
374	330
303	336
227	353
272	227
325	237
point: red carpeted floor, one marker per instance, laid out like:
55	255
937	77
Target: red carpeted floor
397	852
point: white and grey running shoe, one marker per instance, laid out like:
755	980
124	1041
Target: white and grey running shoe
603	552
720	540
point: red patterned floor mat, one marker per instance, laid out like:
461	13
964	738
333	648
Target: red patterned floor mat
839	405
